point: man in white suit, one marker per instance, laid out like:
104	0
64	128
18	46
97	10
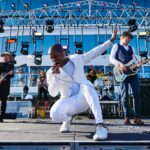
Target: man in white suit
77	93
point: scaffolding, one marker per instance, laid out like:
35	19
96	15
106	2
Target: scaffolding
87	13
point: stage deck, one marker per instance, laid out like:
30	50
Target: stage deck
44	131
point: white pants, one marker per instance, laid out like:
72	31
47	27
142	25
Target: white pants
87	97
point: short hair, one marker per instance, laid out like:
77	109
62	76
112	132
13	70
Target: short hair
56	47
127	33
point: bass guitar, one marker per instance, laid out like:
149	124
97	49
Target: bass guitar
131	70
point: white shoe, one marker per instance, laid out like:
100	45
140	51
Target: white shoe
101	133
65	127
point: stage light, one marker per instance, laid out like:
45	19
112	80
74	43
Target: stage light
38	58
1	26
143	54
12	40
13	6
49	26
61	7
78	44
143	35
24	49
45	5
66	49
79	47
132	25
78	5
38	35
26	6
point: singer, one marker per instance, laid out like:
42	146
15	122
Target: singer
77	93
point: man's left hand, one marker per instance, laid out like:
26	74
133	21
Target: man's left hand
139	65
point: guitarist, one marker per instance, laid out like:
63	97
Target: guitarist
6	73
121	54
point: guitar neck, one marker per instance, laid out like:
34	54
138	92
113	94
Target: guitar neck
141	63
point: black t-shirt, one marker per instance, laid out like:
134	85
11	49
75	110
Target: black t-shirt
5	84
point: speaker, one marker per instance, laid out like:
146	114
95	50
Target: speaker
145	97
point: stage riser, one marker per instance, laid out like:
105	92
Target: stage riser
145	97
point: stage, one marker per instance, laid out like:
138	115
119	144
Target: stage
44	134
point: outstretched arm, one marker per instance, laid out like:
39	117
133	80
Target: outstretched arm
97	51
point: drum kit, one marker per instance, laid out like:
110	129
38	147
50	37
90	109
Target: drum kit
105	87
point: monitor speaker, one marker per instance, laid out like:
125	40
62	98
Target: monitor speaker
145	97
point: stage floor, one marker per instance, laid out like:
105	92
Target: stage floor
82	130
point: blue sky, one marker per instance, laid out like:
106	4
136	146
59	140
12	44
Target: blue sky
6	4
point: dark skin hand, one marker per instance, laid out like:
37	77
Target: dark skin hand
55	68
59	60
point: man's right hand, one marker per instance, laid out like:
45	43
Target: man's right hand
123	67
55	68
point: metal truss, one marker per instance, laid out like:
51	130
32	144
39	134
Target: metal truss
82	13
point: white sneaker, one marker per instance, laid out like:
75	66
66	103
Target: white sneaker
101	133
65	127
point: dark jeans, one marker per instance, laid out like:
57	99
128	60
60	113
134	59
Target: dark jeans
124	86
42	91
3	106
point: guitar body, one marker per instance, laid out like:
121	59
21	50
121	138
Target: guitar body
3	77
120	76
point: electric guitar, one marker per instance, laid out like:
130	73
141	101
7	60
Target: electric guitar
3	77
131	70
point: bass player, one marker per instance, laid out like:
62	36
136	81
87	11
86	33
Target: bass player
121	54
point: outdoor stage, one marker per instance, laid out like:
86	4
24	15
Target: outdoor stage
43	134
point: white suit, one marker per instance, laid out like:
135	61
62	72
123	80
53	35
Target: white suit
87	97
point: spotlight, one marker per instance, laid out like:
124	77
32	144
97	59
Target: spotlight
61	7
132	25
66	49
78	5
49	26
79	47
38	58
78	44
143	54
24	48
38	35
143	35
1	26
45	5
13	6
26	6
11	40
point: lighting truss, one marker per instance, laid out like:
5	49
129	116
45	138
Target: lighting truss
92	13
